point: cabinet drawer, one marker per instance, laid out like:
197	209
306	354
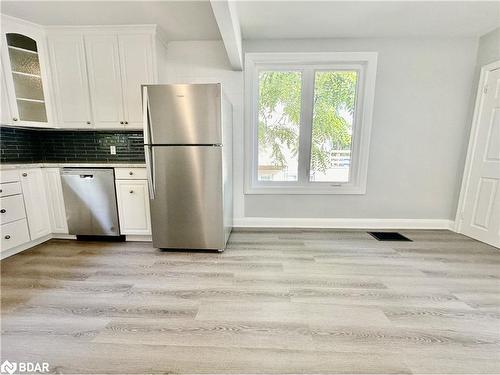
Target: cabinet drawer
10	175
11	208
14	234
10	188
130	173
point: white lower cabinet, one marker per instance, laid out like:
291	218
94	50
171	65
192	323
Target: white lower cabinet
35	201
133	207
55	200
32	205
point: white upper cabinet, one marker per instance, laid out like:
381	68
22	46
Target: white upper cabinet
103	61
98	73
136	63
26	73
83	77
69	71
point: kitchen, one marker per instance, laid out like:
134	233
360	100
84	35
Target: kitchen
118	61
235	187
97	76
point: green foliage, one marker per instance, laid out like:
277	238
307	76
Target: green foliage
279	129
279	115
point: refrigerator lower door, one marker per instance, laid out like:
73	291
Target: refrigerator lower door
187	209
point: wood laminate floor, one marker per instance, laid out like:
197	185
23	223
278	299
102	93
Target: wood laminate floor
277	301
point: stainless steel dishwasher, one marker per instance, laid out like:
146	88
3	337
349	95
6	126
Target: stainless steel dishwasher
90	201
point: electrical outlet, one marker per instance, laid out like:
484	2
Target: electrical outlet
112	149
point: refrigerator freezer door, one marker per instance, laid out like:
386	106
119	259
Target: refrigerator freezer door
183	114
187	210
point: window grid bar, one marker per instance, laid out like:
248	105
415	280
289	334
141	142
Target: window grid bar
305	134
26	74
23	50
30	100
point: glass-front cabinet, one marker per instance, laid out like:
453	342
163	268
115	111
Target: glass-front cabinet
25	78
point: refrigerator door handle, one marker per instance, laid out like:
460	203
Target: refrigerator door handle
150	168
146	118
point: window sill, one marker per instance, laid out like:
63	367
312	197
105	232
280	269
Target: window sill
287	190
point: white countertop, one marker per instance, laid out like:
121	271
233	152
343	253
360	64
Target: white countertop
6	166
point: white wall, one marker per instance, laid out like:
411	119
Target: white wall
419	124
489	48
206	61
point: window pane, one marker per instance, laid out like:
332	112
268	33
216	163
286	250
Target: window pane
279	119
32	111
333	118
21	41
28	87
24	62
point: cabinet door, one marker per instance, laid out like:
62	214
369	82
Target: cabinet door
55	200
25	65
103	64
133	207
35	201
69	70
136	63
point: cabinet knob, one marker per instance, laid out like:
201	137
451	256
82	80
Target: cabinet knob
88	122
121	122
3	210
131	192
14	119
126	122
131	173
1	190
25	174
7	237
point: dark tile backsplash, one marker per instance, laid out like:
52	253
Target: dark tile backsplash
19	145
37	145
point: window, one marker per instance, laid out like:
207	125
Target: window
308	122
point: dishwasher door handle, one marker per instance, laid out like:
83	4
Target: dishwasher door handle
86	176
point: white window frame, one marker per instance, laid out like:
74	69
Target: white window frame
365	63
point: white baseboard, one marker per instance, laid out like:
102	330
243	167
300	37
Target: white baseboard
60	236
25	246
339	223
138	238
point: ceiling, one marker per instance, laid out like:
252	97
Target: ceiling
186	20
345	19
194	20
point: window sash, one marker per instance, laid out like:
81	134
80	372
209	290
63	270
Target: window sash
308	72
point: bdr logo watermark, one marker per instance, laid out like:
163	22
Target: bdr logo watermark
19	367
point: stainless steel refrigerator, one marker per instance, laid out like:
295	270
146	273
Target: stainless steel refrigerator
188	148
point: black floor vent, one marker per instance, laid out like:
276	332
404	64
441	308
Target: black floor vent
389	236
